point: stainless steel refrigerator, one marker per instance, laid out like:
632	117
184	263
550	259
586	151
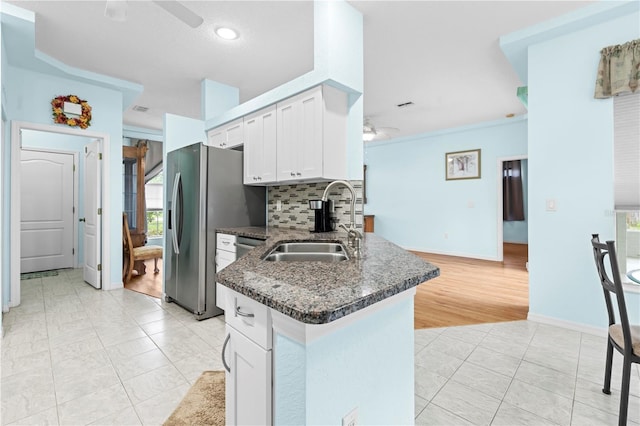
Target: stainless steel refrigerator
204	192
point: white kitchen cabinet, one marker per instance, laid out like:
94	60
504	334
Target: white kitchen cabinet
260	147
312	135
228	135
247	381
247	357
225	250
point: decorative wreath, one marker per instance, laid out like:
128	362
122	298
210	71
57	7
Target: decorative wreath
57	106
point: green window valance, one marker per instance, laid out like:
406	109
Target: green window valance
619	70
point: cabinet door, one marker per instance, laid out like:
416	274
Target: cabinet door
310	142
233	133
216	137
260	147
248	383
287	135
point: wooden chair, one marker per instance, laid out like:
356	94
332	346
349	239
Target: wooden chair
622	336
133	254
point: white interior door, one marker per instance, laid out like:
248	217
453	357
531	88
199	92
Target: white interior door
92	213
46	211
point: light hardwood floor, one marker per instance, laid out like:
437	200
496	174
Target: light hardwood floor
472	291
148	283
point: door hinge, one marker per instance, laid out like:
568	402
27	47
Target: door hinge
100	211
73	251
85	150
73	209
74	167
99	266
100	156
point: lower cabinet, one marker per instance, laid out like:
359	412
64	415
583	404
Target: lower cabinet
246	354
248	380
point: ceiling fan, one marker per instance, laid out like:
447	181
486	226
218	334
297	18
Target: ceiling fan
370	132
117	10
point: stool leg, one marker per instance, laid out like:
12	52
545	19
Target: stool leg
607	372
155	265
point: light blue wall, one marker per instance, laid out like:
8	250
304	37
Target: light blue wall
571	161
368	364
413	204
179	132
216	98
517	231
58	142
28	99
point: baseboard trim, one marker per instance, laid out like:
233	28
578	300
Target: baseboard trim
589	329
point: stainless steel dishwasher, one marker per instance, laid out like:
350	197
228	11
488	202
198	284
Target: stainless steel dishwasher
245	245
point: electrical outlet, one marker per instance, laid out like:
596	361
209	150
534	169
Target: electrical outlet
551	205
446	235
351	419
278	205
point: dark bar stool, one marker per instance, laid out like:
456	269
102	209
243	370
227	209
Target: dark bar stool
622	336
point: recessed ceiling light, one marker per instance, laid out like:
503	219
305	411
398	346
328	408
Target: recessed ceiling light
227	33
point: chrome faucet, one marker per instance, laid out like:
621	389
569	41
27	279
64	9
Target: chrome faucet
354	236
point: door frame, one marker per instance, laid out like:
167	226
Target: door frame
16	146
499	218
76	180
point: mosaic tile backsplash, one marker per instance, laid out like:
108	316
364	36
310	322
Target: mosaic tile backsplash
296	214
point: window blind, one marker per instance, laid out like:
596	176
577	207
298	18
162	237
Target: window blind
626	122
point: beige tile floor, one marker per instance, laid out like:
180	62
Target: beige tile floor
74	355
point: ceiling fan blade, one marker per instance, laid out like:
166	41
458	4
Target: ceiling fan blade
116	10
181	12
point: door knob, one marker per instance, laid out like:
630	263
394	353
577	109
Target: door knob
82	219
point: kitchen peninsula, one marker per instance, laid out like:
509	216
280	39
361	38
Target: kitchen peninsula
313	342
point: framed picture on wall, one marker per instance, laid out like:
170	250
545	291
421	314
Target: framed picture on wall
462	165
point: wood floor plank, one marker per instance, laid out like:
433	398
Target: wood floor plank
472	291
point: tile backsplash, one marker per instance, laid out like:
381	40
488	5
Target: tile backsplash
296	214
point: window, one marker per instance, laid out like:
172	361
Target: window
626	111
154	201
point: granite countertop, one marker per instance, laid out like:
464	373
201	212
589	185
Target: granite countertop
317	292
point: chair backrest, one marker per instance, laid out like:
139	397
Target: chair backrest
612	283
127	244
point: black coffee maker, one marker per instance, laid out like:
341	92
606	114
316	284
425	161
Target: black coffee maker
323	215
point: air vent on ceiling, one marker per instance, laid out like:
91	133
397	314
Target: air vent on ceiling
140	108
404	104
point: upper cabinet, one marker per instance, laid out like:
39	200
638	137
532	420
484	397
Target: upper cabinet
260	147
228	135
312	136
300	139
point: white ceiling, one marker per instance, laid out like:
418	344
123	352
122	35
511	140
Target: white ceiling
441	55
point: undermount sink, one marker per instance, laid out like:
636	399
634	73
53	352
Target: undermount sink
307	251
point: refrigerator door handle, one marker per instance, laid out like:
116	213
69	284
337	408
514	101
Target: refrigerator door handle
174	203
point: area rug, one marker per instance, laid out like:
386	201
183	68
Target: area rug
30	275
203	404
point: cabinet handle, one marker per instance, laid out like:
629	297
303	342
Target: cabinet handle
299	174
226	242
259	178
293	174
224	347
243	314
